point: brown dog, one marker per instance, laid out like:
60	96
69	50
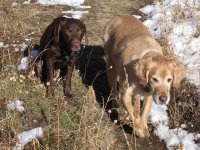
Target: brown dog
59	47
132	52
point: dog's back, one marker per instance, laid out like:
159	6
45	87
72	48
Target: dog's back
126	34
126	40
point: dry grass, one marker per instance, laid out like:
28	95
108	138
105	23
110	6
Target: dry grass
81	123
184	105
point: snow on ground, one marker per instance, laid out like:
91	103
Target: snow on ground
23	65
159	114
184	41
2	45
75	13
21	47
176	138
173	138
74	3
17	105
27	136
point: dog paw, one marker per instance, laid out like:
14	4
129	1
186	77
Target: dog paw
141	128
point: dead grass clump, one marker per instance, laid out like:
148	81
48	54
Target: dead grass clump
95	130
184	107
59	118
184	104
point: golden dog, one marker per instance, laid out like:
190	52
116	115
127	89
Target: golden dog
130	49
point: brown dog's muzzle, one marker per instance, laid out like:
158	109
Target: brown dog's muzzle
75	45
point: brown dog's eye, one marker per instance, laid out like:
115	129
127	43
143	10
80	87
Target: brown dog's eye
169	80
78	29
155	80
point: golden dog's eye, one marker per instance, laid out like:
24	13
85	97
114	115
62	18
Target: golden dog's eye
169	80
155	80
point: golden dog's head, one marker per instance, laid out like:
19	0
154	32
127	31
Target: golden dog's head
160	73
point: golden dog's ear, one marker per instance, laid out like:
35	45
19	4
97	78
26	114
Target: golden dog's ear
142	70
179	72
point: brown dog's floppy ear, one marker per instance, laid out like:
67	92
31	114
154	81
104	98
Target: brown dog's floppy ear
84	32
56	36
142	70
179	72
86	38
57	30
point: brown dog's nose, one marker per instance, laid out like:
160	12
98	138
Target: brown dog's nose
76	45
163	98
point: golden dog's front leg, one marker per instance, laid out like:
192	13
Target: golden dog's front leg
127	101
134	112
141	127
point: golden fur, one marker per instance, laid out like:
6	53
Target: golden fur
130	49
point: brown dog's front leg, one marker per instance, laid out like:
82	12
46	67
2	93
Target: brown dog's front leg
48	73
67	84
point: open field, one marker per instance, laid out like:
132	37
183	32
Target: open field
81	123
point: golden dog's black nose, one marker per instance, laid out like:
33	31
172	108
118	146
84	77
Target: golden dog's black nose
163	98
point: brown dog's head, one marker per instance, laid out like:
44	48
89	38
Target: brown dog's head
70	32
159	73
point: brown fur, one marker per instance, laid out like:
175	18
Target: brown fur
59	47
130	49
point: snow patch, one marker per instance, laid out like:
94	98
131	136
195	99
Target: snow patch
159	114
74	13
182	33
23	65
27	136
21	47
2	45
27	2
17	105
73	3
14	4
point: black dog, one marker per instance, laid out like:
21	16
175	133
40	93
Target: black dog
59	47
